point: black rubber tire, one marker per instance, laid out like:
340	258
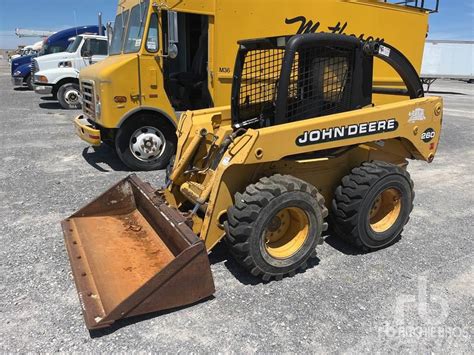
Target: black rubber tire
253	210
125	132
30	82
62	93
54	94
353	200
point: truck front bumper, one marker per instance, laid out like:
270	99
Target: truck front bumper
86	131
43	89
17	81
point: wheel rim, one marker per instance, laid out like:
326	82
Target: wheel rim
71	96
286	233
147	143
385	210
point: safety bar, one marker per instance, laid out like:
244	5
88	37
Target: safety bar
419	4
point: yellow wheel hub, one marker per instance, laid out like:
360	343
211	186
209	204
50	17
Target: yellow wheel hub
385	210
286	233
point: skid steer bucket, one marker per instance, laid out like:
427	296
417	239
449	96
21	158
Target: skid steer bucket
132	254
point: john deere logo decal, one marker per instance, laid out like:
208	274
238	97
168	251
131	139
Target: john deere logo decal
345	132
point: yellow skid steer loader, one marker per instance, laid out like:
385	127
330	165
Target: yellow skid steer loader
301	147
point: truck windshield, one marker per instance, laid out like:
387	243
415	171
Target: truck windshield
129	28
48	49
136	27
119	30
74	45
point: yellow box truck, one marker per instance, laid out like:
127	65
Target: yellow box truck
170	56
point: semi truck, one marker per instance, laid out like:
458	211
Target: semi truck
58	42
58	74
173	56
27	50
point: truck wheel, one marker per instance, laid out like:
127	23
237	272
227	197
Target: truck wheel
68	96
30	82
372	205
144	143
275	225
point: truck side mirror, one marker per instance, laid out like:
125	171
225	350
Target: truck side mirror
172	51
110	32
171	38
173	34
169	29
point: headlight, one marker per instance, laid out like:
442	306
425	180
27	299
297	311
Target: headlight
17	73
67	64
41	79
98	106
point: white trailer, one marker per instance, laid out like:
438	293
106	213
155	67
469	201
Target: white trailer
447	59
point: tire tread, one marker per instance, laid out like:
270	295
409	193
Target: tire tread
246	209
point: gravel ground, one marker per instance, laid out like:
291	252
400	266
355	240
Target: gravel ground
416	296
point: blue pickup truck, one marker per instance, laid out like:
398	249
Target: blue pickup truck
58	42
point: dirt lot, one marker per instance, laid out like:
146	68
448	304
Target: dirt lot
416	296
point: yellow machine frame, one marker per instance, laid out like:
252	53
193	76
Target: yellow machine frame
262	152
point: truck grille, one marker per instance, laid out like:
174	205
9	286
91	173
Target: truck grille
88	99
34	67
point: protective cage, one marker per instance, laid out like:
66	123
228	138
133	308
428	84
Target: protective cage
426	5
286	79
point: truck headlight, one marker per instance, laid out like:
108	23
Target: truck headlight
98	106
17	73
67	64
41	79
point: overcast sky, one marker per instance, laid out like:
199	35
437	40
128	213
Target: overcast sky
455	20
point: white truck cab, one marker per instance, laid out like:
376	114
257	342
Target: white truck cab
28	50
58	74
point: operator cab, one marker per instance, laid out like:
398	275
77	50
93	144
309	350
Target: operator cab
186	76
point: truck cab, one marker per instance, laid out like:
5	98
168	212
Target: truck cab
58	42
58	74
171	56
28	50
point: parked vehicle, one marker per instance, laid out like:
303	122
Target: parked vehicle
165	62
58	42
27	50
58	74
447	59
302	146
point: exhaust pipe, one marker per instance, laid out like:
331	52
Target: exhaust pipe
101	30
